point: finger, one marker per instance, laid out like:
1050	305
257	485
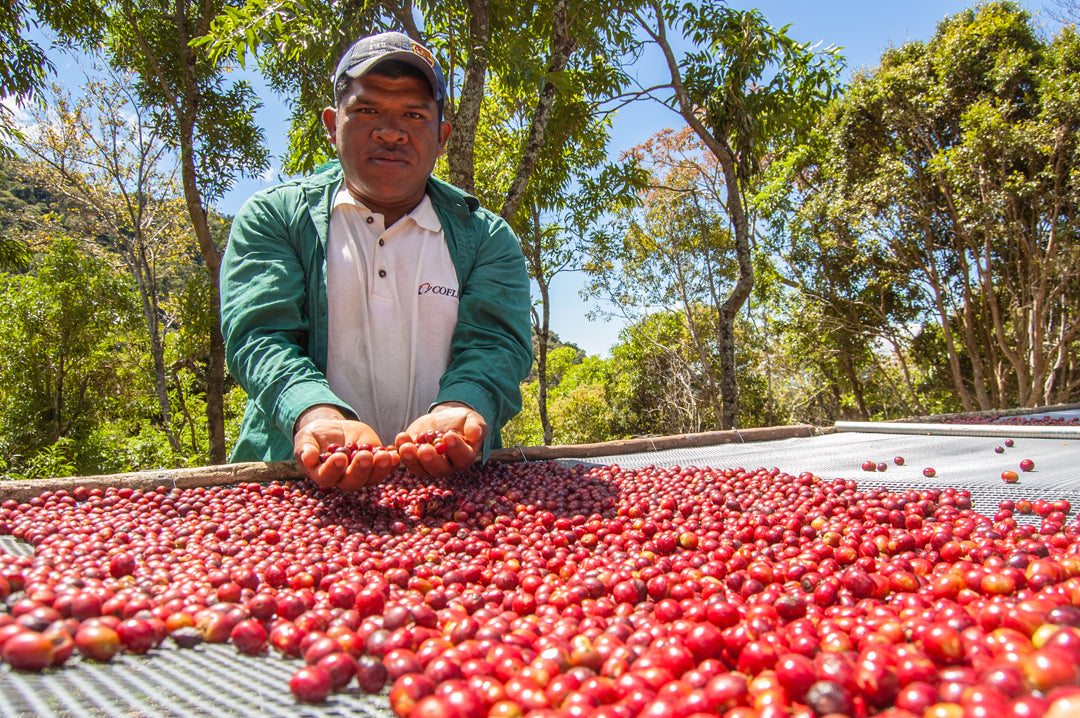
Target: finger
330	472
408	454
355	480
368	469
458	452
308	456
475	429
379	466
434	463
364	459
384	464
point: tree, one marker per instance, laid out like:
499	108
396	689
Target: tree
666	389
950	168
1067	12
66	335
530	48
105	154
849	306
208	122
14	253
554	220
584	402
571	182
748	91
672	253
24	66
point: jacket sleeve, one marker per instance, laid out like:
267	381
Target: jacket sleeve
491	349
265	280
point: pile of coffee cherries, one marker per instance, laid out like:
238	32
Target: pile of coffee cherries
543	591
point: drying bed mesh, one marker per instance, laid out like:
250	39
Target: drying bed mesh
217	681
210	680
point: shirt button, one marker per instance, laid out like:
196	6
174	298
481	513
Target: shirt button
382	242
382	272
369	220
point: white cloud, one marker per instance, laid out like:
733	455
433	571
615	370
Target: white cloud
21	119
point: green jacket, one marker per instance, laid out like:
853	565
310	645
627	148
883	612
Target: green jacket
274	310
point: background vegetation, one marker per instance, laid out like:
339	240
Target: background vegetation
798	252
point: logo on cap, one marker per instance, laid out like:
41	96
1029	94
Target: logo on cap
423	52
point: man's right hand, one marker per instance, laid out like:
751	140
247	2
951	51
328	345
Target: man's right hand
322	425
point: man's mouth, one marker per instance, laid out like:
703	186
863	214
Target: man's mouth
385	156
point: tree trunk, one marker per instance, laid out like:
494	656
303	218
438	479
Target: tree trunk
899	354
856	385
541	322
542	334
729	384
562	47
145	281
58	400
740	223
215	370
161	387
184	106
460	148
971	342
946	332
699	346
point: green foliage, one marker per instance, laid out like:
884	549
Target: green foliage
119	427
915	248
24	65
187	90
67	332
296	45
19	214
758	87
581	402
941	190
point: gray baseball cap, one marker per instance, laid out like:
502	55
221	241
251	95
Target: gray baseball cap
367	52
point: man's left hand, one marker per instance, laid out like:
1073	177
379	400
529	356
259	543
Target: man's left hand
463	433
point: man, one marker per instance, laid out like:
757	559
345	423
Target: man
371	302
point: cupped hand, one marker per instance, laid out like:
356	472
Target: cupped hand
320	426
463	432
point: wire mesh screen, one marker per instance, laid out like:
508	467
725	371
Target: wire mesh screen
215	680
209	680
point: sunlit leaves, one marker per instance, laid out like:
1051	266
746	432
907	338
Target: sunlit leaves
65	332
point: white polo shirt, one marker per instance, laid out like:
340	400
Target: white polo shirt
392	302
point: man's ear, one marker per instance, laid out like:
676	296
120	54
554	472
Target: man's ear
444	135
329	119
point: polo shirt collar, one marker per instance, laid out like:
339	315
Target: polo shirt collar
423	214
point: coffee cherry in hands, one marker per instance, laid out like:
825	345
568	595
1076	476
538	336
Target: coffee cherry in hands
433	437
350	449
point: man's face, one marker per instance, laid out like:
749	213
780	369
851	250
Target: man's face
388	134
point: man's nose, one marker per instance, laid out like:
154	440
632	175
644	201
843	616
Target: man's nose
390	129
